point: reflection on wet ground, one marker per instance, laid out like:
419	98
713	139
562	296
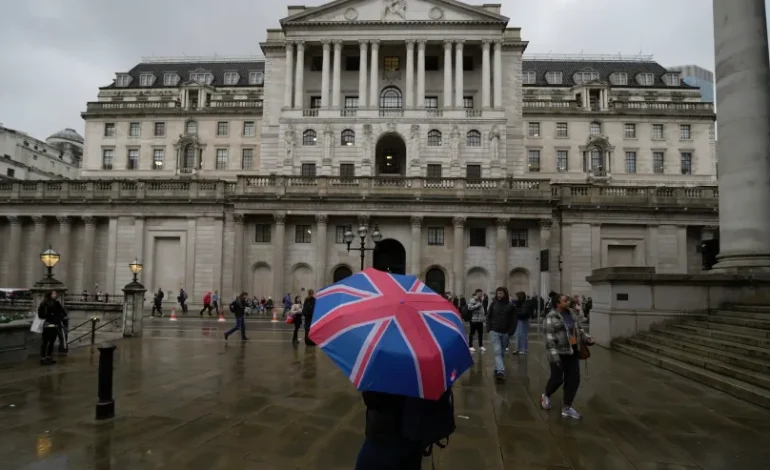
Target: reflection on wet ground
185	399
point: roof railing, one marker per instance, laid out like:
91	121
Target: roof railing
201	59
592	57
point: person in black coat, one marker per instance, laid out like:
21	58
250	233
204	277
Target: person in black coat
386	447
500	318
307	312
52	313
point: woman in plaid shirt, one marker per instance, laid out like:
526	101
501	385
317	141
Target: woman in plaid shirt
562	340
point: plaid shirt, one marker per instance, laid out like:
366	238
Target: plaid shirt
557	337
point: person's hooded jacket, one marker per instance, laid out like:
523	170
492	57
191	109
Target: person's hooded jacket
500	315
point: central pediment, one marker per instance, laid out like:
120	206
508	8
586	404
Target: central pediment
389	11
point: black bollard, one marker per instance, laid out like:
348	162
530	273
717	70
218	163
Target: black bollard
105	407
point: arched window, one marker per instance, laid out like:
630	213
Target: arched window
391	98
189	157
473	139
436	280
191	127
341	273
348	137
309	137
434	138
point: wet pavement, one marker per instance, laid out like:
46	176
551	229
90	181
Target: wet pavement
185	399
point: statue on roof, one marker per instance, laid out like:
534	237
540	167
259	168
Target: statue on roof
394	7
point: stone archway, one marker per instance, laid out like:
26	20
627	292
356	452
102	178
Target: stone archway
390	155
436	280
477	278
302	279
341	272
519	281
261	280
390	256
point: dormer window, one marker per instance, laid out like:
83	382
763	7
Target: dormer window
146	79
619	78
528	78
672	79
170	79
553	78
256	78
231	78
204	78
123	80
646	79
584	77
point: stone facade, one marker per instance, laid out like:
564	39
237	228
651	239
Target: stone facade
23	157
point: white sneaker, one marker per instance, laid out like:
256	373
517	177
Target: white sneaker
472	349
545	403
483	349
569	412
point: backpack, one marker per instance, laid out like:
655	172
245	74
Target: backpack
429	422
466	314
233	307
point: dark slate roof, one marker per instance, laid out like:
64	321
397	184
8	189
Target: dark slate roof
183	70
604	67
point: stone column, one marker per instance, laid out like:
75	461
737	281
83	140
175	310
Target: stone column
485	70
12	277
420	98
139	223
336	85
321	221
278	255
447	74
458	259
89	239
287	92
554	253
416	222
501	254
238	254
299	81
36	271
545	244
498	70
363	45
325	73
374	81
743	100
409	74
459	91
65	264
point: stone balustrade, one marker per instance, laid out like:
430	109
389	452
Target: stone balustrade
624	107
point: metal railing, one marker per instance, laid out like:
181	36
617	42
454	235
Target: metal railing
92	330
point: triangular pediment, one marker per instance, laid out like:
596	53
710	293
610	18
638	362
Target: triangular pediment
368	11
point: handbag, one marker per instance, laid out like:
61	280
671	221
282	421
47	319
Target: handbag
290	319
583	351
37	325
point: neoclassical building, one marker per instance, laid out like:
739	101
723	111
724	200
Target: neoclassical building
479	166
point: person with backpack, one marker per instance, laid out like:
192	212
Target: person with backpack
206	303
157	303
182	299
523	309
476	317
238	307
499	319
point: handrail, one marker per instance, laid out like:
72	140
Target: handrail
94	329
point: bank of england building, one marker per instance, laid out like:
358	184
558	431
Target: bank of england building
421	119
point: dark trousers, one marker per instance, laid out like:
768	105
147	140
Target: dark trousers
183	304
156	306
240	324
49	338
62	335
216	307
477	327
297	326
308	341
206	307
568	374
396	455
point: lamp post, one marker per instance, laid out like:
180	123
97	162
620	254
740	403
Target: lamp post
133	304
49	258
362	233
136	267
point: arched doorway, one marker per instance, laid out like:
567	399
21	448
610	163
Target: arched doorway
518	281
390	256
261	280
436	280
341	273
391	155
302	280
477	278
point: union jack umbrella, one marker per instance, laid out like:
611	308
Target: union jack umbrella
390	333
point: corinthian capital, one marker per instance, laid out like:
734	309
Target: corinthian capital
546	224
416	221
280	218
322	219
458	221
502	222
64	219
238	218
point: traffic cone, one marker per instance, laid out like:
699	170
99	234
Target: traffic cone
275	317
173	314
221	316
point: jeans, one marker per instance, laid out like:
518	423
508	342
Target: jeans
240	324
477	327
389	455
567	373
499	343
522	330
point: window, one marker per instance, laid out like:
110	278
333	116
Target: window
562	129
619	78
467	63
247	159
191	127
658	158
645	79
562	161
146	79
473	139
390	98
684	132
347	170
132	162
672	79
316	63
533	160
435	236
348	137
473	172
434	138
519	238
431	102
478	236
467	102
308	170
249	129
553	78
221	163
223	128
123	80
352	63
170	79
351	102
302	234
630	162
134	129
231	78
262	233
434	170
596	128
107	155
584	77
534	129
597	161
157	159
392	64
431	63
528	78
309	137
686	163
256	78
109	129
629	131
200	77
160	129
657	132
315	102
10	172
339	234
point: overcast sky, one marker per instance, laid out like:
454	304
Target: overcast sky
56	53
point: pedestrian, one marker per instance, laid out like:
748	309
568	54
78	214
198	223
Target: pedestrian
84	295
499	319
63	332
485	303
296	318
307	312
523	311
263	305
51	312
563	337
238	307
206	303
589	304
215	302
157	302
287	304
269	305
478	316
182	299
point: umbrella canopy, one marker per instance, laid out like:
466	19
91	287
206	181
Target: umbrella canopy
390	333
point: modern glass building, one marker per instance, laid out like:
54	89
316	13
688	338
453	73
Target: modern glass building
698	77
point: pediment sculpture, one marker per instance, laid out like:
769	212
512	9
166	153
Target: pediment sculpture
394	8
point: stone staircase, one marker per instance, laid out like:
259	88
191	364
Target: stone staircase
728	350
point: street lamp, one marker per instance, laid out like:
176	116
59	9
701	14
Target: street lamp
136	267
362	233
49	258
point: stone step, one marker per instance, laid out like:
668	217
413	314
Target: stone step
741	330
749	308
741	314
721	335
736	388
713	365
712	351
735	321
728	345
